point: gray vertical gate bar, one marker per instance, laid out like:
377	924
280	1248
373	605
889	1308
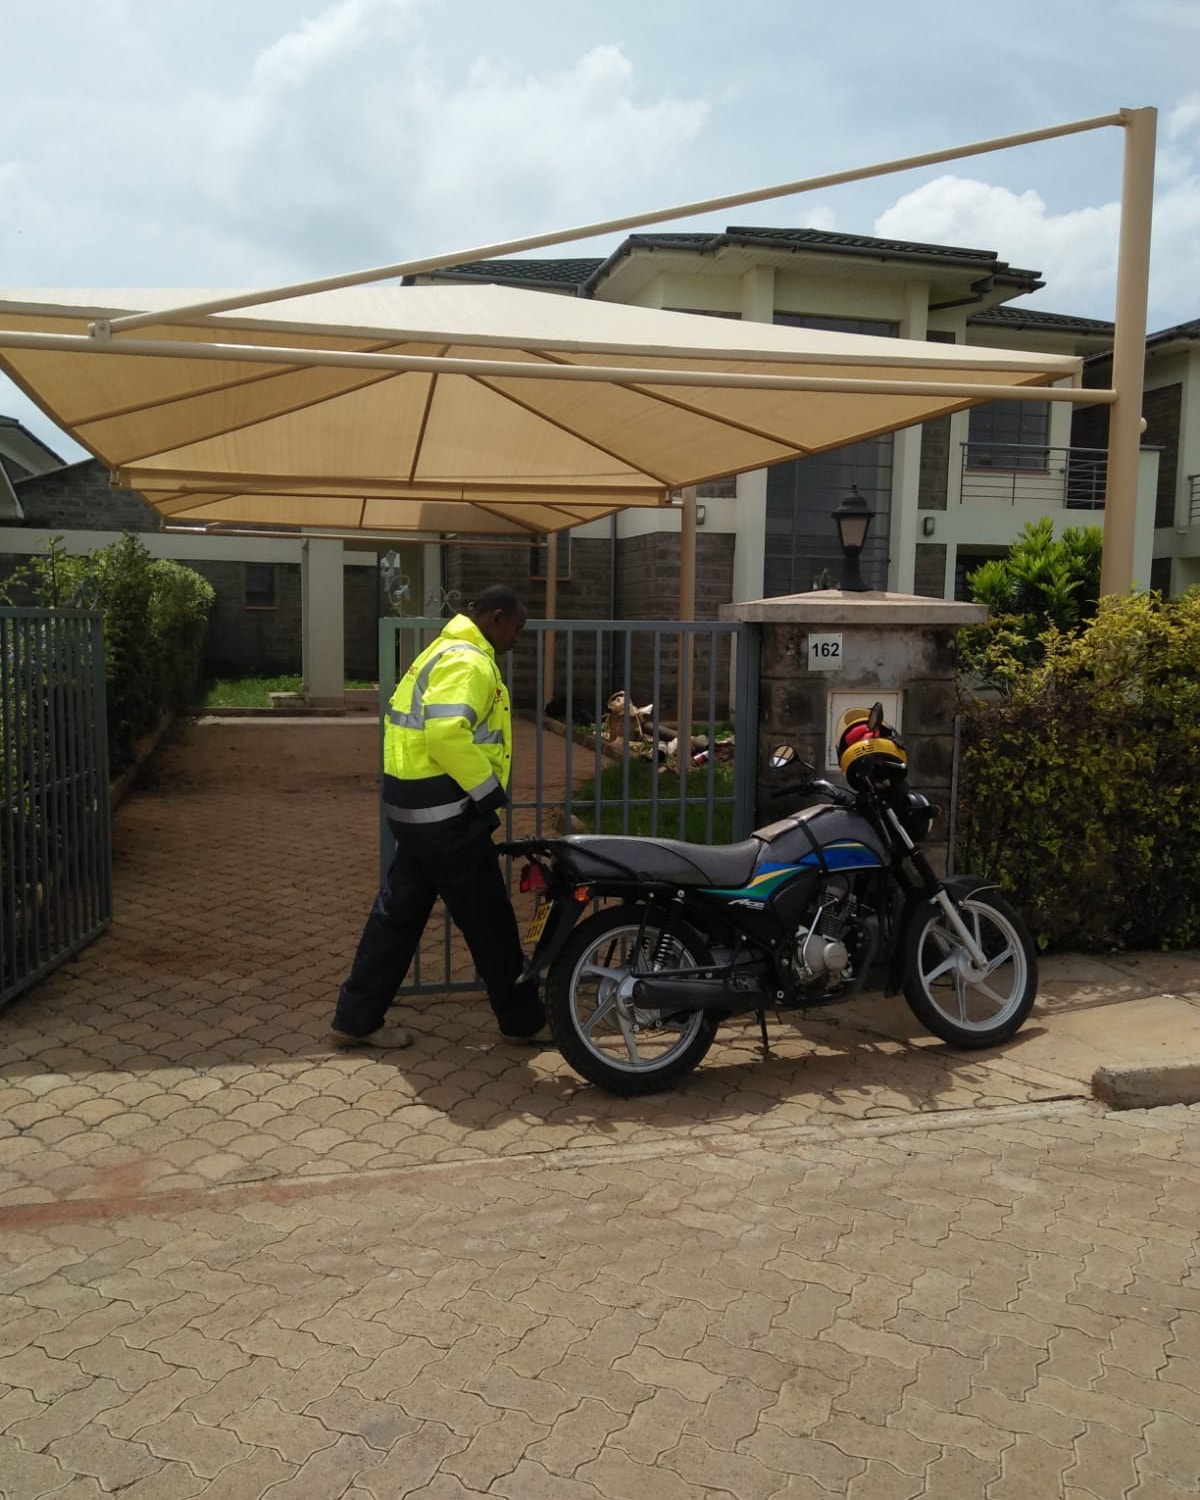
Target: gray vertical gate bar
627	655
55	843
745	776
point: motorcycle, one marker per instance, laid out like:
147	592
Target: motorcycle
799	916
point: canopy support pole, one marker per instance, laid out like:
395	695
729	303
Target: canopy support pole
1129	354
551	614
104	328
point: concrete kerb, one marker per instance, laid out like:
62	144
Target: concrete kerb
1148	1086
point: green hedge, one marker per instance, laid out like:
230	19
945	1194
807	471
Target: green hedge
155	616
1079	790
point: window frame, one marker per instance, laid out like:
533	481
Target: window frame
257	598
980	444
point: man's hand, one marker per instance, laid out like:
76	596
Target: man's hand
494	801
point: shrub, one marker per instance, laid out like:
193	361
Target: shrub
1078	790
155	613
1043	584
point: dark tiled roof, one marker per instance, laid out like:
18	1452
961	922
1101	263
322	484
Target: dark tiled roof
78	463
818	239
583	275
1180	333
1029	317
14	422
569	273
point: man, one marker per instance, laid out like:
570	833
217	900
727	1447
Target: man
447	754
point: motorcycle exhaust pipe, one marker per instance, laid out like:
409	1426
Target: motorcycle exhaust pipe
700	994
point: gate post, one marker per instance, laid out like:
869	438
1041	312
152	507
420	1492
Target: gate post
827	651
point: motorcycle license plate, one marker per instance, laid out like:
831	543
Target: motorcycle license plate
538	924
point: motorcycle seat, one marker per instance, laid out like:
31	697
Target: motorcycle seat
602	856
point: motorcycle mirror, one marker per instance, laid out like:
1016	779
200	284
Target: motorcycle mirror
875	718
784	757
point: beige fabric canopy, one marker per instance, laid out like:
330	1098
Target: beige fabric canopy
462	408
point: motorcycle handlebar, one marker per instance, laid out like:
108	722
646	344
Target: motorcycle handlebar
818	786
519	847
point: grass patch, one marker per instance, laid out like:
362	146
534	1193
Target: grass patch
642	777
252	692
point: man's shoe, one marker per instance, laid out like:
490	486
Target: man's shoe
387	1038
542	1037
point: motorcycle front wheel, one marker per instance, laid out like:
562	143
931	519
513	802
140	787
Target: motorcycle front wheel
953	999
615	1044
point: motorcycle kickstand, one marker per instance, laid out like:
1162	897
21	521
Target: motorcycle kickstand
766	1045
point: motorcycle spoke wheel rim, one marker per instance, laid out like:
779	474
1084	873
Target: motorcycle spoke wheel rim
974	1005
594	1008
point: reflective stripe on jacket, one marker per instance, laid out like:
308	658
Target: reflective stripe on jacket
447	738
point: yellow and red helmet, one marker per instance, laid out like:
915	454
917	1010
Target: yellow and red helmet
870	752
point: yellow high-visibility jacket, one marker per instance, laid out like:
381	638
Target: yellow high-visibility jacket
447	741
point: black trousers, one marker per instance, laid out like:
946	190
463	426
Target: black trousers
465	872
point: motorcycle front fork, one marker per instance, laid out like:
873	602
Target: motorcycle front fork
938	894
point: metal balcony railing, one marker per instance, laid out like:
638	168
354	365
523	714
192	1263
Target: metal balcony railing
1193	499
1033	474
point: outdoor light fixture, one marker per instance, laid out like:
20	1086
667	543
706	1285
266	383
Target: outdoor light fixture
853	520
928	526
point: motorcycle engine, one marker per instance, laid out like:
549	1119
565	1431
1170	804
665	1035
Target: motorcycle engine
820	955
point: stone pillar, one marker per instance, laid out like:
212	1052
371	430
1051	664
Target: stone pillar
826	651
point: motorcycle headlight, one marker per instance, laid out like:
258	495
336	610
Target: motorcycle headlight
917	814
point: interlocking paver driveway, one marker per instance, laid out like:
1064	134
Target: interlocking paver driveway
233	1265
185	1047
1006	1310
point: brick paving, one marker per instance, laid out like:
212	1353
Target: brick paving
185	1048
1009	1308
234	1265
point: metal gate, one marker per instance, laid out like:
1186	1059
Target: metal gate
55	849
583	766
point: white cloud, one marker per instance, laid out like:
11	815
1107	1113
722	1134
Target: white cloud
344	141
576	139
1076	250
819	216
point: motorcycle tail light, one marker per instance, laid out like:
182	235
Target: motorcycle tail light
582	894
533	878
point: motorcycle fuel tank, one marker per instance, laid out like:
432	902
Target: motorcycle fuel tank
828	839
798	852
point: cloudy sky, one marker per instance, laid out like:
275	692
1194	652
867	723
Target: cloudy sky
217	143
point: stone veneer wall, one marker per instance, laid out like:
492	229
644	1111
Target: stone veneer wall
916	656
929	570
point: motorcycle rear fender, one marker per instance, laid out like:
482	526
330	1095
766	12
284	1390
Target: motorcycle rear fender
564	914
959	888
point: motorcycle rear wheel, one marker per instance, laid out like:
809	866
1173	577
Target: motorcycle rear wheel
965	1011
604	1038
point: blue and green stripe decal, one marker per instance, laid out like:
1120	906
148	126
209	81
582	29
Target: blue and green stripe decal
846	854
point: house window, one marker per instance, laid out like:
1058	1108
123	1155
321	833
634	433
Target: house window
1009	435
259	580
800	549
537	558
